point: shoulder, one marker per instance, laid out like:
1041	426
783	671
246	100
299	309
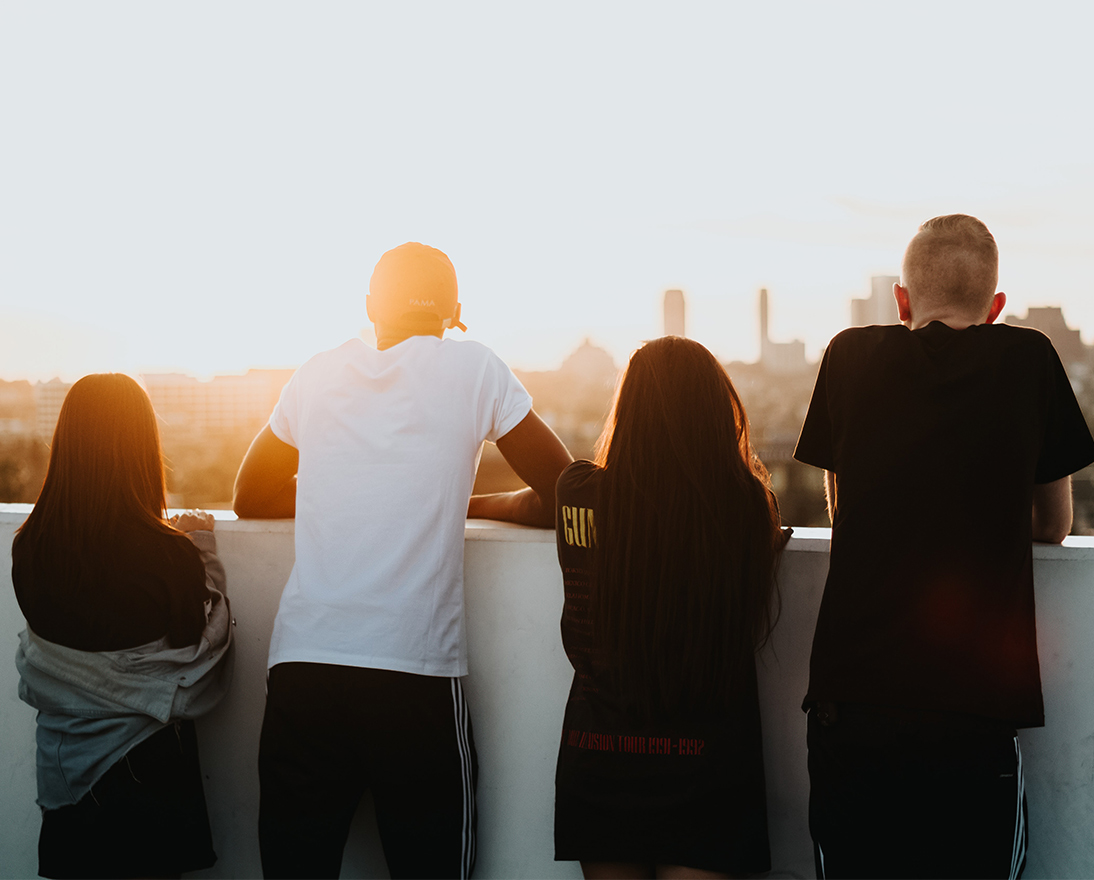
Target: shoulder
323	371
1023	351
865	339
1010	336
578	480
317	367
477	368
351	349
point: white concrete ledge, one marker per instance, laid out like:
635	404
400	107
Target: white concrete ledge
517	690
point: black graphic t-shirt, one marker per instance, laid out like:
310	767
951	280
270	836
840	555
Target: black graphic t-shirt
937	437
701	769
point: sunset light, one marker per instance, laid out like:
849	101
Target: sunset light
206	188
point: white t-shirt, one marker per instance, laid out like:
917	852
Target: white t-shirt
389	442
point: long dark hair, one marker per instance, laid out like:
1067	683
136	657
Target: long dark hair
687	534
105	473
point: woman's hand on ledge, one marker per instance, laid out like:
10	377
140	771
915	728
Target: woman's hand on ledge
193	521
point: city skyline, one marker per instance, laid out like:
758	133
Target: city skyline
102	351
773	356
207	188
207	425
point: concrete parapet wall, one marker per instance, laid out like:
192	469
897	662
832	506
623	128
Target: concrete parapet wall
517	689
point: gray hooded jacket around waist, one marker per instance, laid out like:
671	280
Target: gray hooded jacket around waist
94	706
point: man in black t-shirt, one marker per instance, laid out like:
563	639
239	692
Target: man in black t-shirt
948	445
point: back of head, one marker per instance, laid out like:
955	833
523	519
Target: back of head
413	291
676	414
105	469
686	532
952	262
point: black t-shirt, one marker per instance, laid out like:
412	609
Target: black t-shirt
936	437
593	705
154	586
686	773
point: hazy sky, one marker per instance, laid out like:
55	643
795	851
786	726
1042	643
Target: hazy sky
207	186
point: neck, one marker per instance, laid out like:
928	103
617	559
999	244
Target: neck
953	320
387	337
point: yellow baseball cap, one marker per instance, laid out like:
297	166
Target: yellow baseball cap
414	285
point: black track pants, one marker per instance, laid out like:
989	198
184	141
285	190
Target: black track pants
332	732
906	794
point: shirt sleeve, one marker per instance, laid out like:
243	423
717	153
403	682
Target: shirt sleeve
511	403
815	441
285	419
1067	445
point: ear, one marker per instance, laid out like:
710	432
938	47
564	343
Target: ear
903	305
997	303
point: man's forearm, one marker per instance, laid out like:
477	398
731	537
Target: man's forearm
523	506
266	483
279	504
1052	511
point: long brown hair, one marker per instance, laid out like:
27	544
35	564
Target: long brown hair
105	472
687	534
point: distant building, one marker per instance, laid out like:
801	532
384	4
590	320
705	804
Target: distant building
779	357
17	408
574	399
880	307
1067	342
183	404
674	313
224	404
589	364
48	397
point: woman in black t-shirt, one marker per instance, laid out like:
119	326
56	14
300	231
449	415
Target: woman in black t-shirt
668	545
99	570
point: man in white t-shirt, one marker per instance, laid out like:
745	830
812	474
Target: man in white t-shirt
374	452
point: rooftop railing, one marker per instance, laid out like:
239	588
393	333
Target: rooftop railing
517	687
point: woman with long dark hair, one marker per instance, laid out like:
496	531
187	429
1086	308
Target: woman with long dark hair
668	545
127	633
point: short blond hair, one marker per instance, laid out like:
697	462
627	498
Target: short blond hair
952	261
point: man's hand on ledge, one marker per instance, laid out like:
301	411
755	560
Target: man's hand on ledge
266	483
534	451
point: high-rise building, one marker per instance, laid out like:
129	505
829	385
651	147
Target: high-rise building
778	357
880	307
674	313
